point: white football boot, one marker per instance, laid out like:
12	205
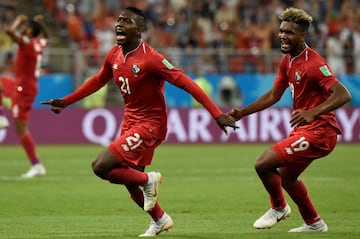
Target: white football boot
319	226
150	190
34	171
271	217
165	223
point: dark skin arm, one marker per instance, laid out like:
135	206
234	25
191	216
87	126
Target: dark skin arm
223	121
339	96
57	105
263	102
40	19
11	30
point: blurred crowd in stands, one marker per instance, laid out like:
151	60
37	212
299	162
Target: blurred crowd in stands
185	26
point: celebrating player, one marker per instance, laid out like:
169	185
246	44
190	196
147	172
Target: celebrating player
140	73
31	37
316	94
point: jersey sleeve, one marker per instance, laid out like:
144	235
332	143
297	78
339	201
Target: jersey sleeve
178	78
281	80
325	75
94	83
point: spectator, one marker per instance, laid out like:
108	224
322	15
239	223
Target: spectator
335	51
204	84
229	94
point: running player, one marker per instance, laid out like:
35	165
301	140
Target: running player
316	94
140	73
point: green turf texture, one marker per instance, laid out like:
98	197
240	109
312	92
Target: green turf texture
211	191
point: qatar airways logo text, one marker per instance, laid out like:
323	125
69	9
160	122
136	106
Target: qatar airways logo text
197	126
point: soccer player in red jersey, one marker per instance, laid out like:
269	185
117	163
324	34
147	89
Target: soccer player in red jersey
140	73
7	87
316	94
31	38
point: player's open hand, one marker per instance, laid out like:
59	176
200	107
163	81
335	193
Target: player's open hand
226	120
301	117
57	105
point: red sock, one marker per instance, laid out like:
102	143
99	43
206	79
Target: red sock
300	196
127	176
28	144
136	194
156	213
274	188
138	197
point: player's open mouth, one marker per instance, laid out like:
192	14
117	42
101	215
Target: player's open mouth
120	35
285	44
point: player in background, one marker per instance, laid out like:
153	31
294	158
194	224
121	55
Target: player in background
316	94
7	87
31	37
140	73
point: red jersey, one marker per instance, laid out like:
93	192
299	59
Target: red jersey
28	64
140	76
309	78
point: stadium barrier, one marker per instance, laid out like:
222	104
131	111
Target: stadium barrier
251	86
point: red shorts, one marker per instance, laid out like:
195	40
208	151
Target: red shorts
136	146
21	105
304	146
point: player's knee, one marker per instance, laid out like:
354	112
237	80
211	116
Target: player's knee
98	169
289	183
259	167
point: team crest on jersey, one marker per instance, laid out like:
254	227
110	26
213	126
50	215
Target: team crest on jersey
135	68
297	77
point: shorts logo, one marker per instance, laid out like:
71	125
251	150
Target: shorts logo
288	150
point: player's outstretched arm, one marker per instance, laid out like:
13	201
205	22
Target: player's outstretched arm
57	105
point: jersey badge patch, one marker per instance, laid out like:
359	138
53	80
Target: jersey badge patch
325	70
167	64
135	68
26	39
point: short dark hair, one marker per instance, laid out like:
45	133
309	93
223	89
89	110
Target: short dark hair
36	27
136	11
141	15
298	16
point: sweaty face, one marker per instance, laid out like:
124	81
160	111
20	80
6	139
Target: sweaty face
126	29
292	39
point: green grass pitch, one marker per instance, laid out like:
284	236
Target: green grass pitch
211	191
